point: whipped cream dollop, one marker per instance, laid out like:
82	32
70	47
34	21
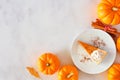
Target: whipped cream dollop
97	55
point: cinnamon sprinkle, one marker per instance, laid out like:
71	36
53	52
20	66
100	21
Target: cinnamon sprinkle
97	42
85	58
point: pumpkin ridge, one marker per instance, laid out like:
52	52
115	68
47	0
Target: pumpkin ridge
48	56
42	57
117	68
119	16
46	70
103	5
111	2
52	69
108	16
114	72
118	13
117	3
42	65
112	76
114	68
106	2
113	18
102	15
113	21
60	73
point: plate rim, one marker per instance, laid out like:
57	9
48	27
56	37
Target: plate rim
76	37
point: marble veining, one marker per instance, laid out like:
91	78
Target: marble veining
31	27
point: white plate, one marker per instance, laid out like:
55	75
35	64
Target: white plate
92	36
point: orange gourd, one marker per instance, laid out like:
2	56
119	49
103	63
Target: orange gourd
109	11
48	63
68	72
118	44
114	72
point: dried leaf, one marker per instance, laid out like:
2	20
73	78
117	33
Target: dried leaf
33	72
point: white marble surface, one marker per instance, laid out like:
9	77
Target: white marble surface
31	27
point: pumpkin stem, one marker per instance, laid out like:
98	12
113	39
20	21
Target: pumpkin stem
114	8
69	75
48	64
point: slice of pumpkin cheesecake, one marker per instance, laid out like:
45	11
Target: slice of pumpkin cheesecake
97	55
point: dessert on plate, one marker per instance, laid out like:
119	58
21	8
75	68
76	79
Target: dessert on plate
97	55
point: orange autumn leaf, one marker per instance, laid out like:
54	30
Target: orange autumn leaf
33	72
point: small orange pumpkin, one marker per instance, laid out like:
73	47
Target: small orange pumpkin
68	72
48	63
118	44
109	11
114	72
